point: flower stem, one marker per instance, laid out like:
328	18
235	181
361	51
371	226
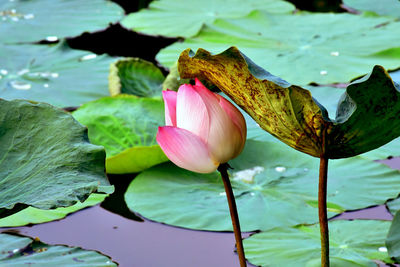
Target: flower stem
322	211
223	169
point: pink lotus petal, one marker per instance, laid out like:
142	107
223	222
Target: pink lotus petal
191	112
204	91
170	107
185	149
224	138
237	118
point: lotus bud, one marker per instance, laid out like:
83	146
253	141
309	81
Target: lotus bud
202	130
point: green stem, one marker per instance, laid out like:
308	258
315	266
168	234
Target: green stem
223	169
322	211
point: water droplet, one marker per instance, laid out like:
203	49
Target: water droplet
343	246
23	71
46	85
15	19
45	74
3	72
305	47
20	85
222	194
108	262
88	57
15	250
29	16
252	194
335	53
305	169
382	249
247	175
323	72
51	38
13	11
280	169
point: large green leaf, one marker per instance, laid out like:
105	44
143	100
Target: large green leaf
126	126
303	48
24	251
135	76
393	238
352	244
54	74
33	215
54	18
172	18
46	160
381	7
274	185
365	118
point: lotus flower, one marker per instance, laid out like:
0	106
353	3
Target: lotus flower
202	130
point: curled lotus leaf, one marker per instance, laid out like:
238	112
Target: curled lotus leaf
366	117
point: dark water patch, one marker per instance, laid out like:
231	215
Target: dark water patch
118	41
132	5
115	203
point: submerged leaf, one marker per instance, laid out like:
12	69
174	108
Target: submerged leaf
366	118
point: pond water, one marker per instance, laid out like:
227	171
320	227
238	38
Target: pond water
150	244
128	239
133	241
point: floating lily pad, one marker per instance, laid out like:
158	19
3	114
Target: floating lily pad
274	185
394	206
56	74
54	19
24	251
172	18
393	238
321	48
391	149
382	7
46	160
135	76
288	112
126	126
32	215
352	244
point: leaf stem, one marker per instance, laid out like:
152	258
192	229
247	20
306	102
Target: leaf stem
322	211
223	169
